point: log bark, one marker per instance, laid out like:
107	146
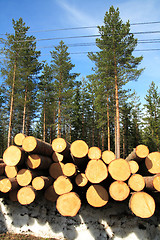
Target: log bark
33	145
133	166
42	182
14	156
152	162
152	183
136	182
13	195
97	196
142	204
26	195
50	194
35	161
25	176
138	154
18	139
79	150
11	172
94	153
119	169
57	157
81	180
68	204
108	156
2	168
96	171
8	184
62	185
56	170
119	190
69	169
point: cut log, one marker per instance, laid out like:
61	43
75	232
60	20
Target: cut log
68	204
133	166
18	139
108	156
62	185
69	169
152	183
136	182
42	182
8	184
94	153
96	171
25	176
56	170
81	180
57	157
11	172
35	161
14	156
79	150
152	162
2	168
119	190
26	195
119	169
139	153
60	145
142	204
33	145
97	196
50	194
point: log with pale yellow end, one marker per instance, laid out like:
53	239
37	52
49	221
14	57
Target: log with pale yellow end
81	180
36	161
25	176
136	182
42	182
60	145
8	184
26	195
14	155
133	166
57	157
139	153
142	204
152	162
56	170
97	196
119	190
69	169
34	145
94	153
18	139
68	204
62	185
119	169
11	171
108	156
96	171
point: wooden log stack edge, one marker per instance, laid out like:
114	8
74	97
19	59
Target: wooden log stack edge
66	173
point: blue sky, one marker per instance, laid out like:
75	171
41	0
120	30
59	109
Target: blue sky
42	15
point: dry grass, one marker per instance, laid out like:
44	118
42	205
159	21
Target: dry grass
9	236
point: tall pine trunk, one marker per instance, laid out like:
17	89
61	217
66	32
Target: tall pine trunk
44	121
108	125
59	117
24	110
11	104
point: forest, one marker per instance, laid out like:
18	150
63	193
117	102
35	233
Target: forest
48	100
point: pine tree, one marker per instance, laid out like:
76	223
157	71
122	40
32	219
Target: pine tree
116	46
152	119
64	83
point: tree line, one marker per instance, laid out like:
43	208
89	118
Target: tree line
48	100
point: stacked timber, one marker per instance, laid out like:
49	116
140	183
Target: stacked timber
68	173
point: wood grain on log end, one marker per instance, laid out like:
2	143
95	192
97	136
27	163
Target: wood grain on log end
97	196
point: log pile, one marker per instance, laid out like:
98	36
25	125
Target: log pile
69	174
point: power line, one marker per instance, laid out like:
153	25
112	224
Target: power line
84	27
